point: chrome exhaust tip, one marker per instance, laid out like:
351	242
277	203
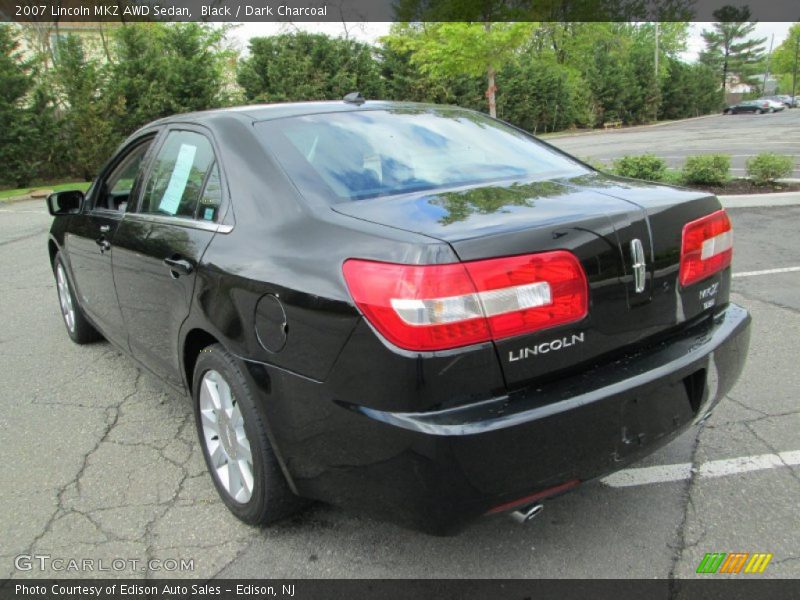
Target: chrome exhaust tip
527	513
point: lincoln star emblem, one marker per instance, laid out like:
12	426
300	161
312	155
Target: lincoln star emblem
639	264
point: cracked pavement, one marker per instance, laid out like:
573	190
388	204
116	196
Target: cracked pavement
100	461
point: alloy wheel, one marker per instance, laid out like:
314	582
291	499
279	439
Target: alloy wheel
225	437
65	298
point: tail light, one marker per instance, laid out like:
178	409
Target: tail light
706	248
436	307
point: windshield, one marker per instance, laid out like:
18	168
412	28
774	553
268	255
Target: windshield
369	154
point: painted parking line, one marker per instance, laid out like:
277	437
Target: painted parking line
714	468
766	272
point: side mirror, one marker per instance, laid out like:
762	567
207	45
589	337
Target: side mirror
65	203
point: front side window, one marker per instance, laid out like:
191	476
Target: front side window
116	188
184	180
368	154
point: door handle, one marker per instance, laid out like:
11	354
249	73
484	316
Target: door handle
103	243
105	228
179	266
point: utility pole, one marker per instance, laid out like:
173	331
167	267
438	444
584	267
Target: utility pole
657	86
766	74
794	73
656	57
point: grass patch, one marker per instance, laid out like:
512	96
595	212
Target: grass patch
59	187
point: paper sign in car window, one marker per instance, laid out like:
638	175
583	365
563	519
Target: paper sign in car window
177	182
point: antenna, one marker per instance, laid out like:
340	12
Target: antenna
355	98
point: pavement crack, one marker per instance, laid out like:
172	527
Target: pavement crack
112	417
23	237
680	533
746	406
766	301
774	450
149	536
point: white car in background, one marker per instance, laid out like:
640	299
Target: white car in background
770	105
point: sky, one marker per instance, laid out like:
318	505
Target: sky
370	32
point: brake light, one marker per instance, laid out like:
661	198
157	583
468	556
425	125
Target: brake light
436	307
706	247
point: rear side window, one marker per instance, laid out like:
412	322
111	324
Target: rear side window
184	181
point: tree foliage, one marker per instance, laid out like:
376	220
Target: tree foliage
785	59
445	50
80	83
16	119
63	108
729	48
308	66
163	69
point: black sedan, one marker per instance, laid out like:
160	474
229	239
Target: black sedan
412	311
751	106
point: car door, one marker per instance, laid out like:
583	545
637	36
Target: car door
160	242
89	241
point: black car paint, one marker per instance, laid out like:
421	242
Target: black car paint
747	107
430	440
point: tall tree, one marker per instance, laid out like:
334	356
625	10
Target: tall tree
161	69
785	59
451	49
729	48
89	111
16	128
308	66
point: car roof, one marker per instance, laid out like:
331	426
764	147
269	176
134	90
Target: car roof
268	112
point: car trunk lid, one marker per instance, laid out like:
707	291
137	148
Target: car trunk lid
601	220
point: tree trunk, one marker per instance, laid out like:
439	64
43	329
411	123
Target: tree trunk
490	92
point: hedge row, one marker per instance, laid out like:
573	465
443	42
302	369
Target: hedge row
704	169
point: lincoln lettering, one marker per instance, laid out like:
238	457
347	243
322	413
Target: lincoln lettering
545	347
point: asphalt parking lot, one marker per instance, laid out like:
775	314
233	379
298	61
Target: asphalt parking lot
99	461
741	136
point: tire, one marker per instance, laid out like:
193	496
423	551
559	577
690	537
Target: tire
759	111
78	327
235	439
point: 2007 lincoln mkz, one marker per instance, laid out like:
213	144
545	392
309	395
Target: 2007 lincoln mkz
413	311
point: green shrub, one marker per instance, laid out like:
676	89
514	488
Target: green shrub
768	166
647	166
594	163
673	177
707	169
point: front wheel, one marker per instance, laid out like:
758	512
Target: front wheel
234	439
759	111
79	329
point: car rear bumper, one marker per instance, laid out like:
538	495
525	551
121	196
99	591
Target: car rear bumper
436	471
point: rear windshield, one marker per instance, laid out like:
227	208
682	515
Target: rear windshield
370	154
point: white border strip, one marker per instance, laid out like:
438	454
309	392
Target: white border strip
714	468
766	272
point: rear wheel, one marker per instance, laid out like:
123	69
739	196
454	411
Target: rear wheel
78	327
235	445
759	111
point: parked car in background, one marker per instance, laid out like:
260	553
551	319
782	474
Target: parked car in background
774	105
413	311
760	106
787	101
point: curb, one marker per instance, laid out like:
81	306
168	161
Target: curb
761	200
